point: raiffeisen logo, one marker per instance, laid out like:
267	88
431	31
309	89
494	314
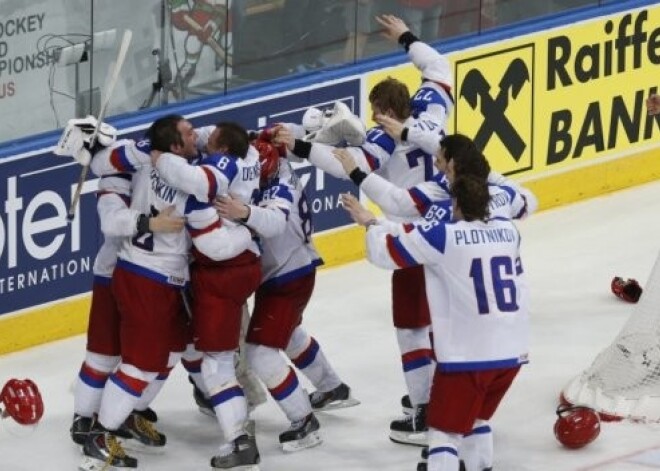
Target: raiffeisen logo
43	258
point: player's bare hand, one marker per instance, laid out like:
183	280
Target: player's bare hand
272	131
282	135
165	222
346	160
230	208
390	125
393	26
358	213
653	104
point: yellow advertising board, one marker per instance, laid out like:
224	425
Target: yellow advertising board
560	101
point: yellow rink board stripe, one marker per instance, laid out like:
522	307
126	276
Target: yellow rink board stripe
55	321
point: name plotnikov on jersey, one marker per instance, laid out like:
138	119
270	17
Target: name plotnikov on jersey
484	236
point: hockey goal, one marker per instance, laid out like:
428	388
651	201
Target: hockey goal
624	380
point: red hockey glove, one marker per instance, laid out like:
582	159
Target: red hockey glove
628	290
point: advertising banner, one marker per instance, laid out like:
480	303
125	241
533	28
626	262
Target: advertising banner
547	101
43	258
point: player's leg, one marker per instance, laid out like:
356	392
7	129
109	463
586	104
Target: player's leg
477	447
412	322
219	292
101	359
307	355
277	310
150	316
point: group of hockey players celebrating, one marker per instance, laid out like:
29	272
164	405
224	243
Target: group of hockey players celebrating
228	200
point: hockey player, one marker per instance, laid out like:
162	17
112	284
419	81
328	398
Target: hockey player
280	215
147	281
221	288
404	161
403	164
118	221
102	357
477	260
458	157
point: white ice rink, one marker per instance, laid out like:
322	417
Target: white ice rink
570	255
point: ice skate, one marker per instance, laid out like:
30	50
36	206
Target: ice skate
411	429
80	427
102	451
148	414
142	434
338	398
302	434
244	456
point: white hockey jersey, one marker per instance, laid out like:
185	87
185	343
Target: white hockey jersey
117	220
402	164
476	288
165	256
411	162
282	218
432	103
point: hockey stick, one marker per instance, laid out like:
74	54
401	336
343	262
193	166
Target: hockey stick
112	81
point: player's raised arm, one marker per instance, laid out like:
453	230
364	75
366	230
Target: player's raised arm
319	155
433	102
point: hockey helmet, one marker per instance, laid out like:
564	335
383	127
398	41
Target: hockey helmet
576	426
313	119
22	401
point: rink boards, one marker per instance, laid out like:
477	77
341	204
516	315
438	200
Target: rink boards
560	109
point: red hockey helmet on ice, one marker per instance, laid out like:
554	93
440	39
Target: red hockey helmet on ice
576	426
269	158
22	401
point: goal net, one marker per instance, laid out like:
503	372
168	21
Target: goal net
624	380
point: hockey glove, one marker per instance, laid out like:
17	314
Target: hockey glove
76	138
341	126
629	290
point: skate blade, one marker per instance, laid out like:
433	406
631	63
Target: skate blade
412	438
311	440
92	464
341	404
133	446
